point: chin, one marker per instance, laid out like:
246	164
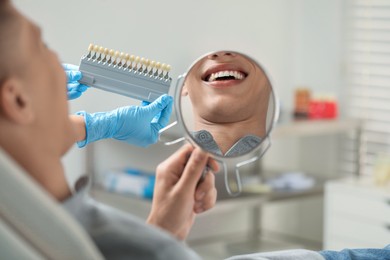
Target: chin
66	148
69	141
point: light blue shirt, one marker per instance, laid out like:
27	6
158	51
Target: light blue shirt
244	145
302	254
363	254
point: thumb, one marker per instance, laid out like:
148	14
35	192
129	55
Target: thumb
73	75
158	105
193	170
73	94
68	66
145	103
165	115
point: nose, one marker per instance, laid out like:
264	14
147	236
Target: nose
221	54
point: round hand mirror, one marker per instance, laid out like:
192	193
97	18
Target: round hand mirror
226	105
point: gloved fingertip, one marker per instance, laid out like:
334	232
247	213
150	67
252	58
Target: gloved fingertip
158	105
73	75
72	86
165	96
73	95
77	75
68	66
168	99
165	100
82	88
164	117
65	66
145	103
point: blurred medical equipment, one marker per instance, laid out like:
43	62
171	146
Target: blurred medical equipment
291	181
381	169
307	106
124	74
130	181
302	98
323	108
33	225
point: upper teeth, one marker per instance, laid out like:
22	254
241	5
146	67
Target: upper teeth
220	74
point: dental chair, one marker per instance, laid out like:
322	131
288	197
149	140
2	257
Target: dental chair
32	224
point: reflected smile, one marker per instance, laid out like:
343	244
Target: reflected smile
225	75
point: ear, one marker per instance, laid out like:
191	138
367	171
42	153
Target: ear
14	102
184	91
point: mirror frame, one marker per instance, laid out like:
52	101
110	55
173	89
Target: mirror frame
229	162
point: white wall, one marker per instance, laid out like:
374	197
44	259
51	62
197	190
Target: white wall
174	31
298	41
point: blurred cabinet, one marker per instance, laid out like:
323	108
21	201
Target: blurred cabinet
290	128
357	214
323	149
318	148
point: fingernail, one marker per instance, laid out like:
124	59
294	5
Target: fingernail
199	210
200	195
198	154
198	204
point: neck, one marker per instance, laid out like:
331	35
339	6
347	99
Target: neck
39	162
227	134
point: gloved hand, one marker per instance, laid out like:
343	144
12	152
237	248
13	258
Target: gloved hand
75	89
137	125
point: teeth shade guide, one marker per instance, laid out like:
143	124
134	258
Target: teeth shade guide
124	73
157	66
90	49
125	60
95	50
105	52
110	55
101	50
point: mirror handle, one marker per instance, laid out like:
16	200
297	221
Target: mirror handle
181	139
162	130
238	176
237	181
265	145
226	178
178	140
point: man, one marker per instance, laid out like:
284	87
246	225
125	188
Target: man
35	130
229	95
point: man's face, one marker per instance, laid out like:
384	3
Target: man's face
226	87
44	81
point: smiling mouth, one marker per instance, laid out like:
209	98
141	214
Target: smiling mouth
225	75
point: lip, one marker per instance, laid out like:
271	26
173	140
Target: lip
223	67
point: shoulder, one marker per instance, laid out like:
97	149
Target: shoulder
120	235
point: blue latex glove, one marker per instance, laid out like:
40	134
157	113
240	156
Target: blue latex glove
136	125
75	89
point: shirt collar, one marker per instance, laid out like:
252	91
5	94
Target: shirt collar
244	145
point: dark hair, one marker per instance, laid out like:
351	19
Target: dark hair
3	3
8	37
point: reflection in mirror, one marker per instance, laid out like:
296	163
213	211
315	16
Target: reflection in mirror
226	103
